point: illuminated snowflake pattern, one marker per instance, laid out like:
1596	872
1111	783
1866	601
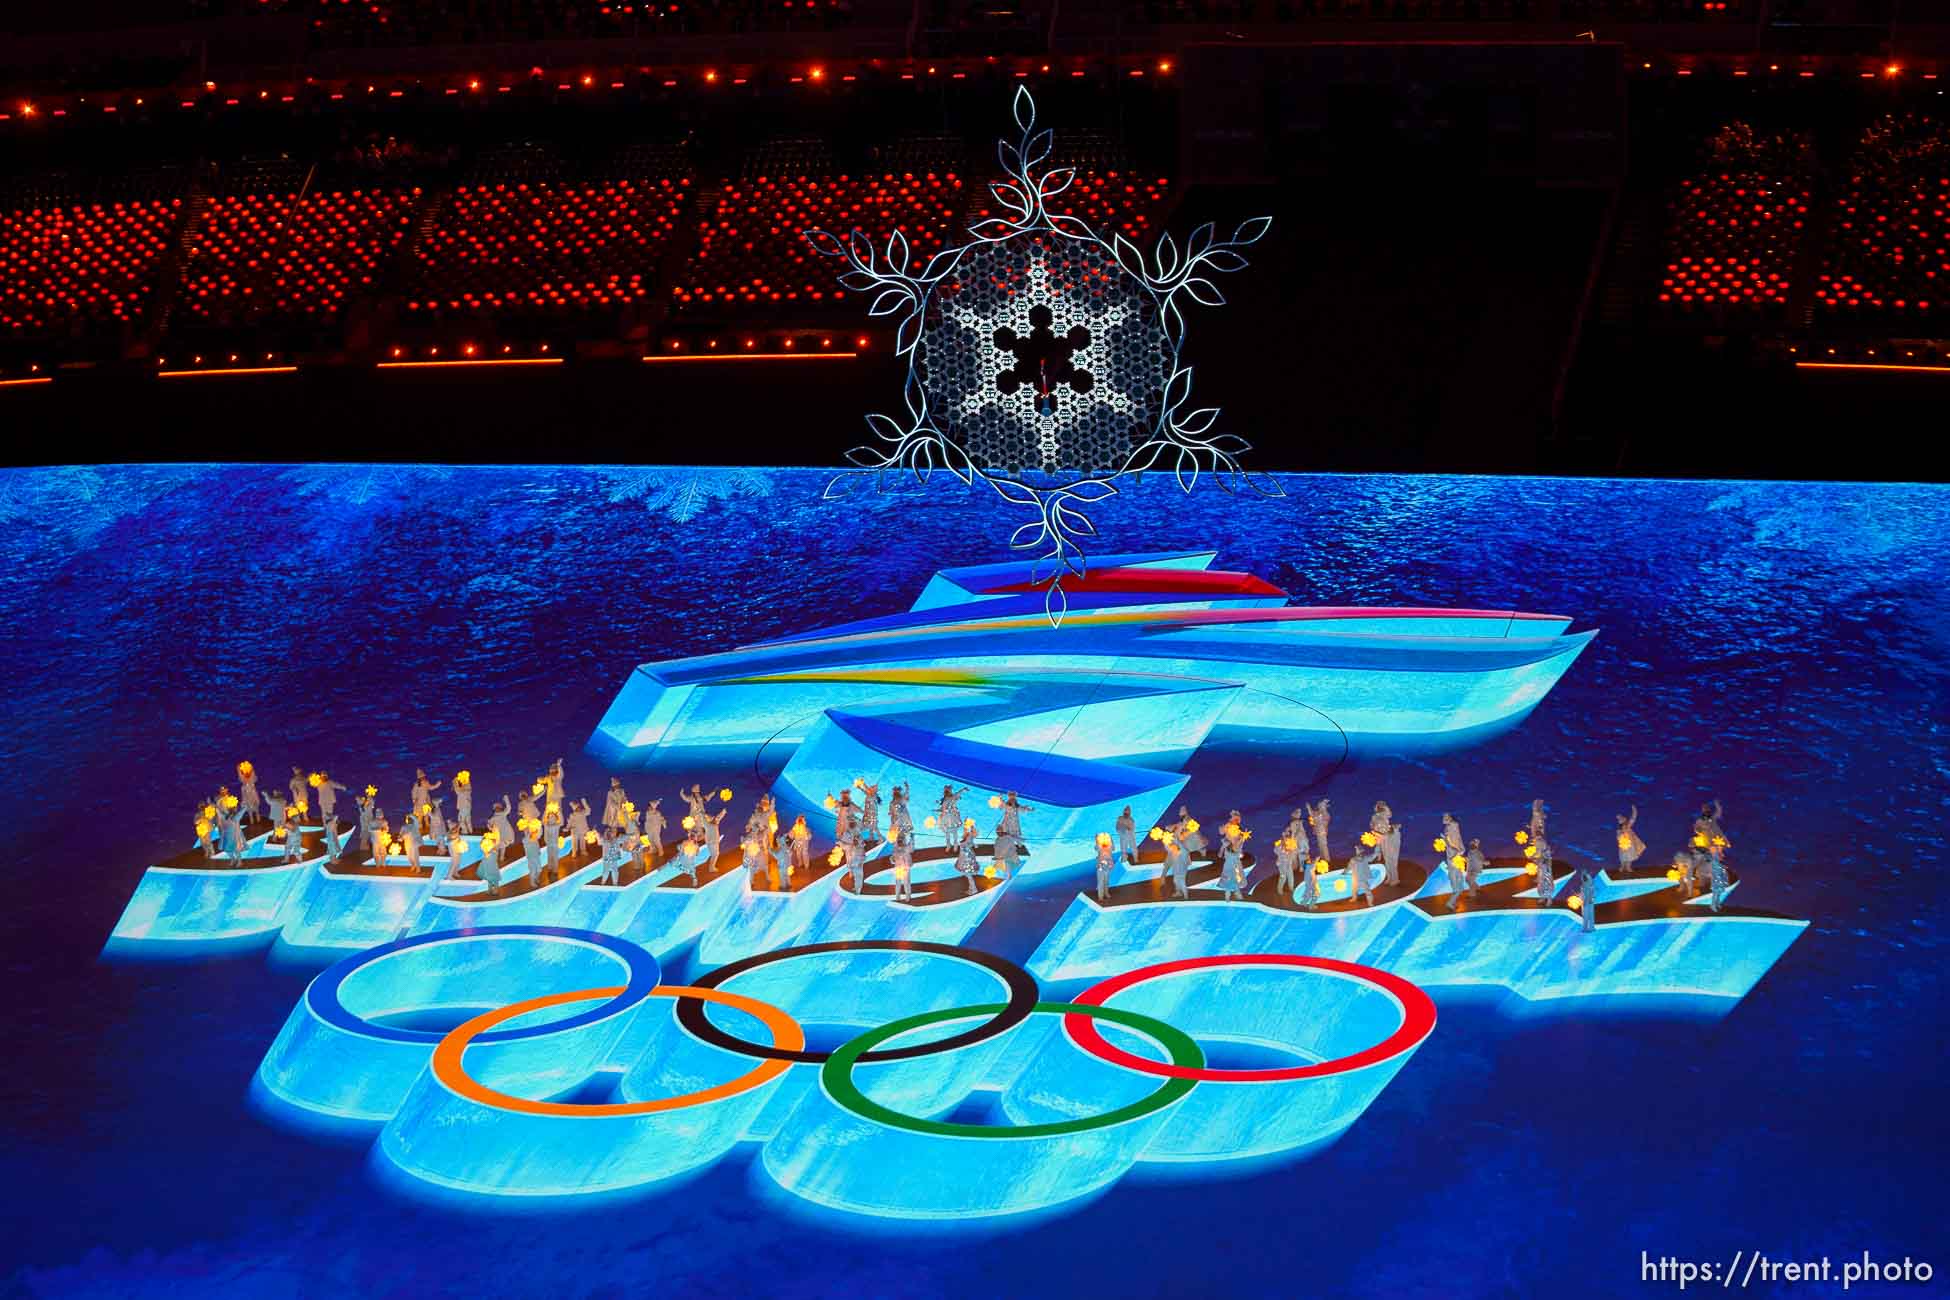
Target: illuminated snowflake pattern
1083	295
1044	360
682	495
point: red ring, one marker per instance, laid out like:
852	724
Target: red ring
1418	1019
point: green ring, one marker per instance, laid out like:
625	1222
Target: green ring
837	1073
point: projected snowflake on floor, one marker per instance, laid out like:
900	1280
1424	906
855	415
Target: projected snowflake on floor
1043	359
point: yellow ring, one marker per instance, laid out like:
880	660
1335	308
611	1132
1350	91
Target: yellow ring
786	1033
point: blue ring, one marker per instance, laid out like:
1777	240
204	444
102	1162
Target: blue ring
322	996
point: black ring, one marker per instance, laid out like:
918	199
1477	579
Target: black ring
1023	995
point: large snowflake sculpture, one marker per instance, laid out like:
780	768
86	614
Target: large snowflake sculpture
1043	359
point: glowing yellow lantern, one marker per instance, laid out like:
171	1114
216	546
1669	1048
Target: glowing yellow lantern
629	809
831	803
1674	873
463	777
725	794
202	829
592	838
302	808
989	871
1369	839
1458	862
1157	833
968	824
928	821
230	803
426	810
1699	841
1530	850
552	809
1624	841
371	790
995	801
1441	844
245	770
536	788
688	823
315	780
209	811
834	858
1719	841
859	783
1320	867
1191	823
1103	840
1530	869
278	834
489	842
1523	837
1575	903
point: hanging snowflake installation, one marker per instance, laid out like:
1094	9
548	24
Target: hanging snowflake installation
1043	359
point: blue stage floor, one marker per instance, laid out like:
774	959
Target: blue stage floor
1784	647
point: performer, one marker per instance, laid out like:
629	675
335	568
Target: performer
578	824
464	801
280	807
1587	897
799	845
232	824
869	813
1105	856
1630	846
753	860
1127	836
297	784
1285	854
611	845
531	849
527	810
436	820
1357	867
900	818
422	788
843	814
1718	867
690	853
491	848
1390	837
613	803
948	813
1189	834
1452	836
653	828
247	796
694	799
382	836
1178	861
1546	882
1008	848
328	795
294	840
1536	827
1318	818
1310	882
1232	875
552	843
552	781
503	831
329	825
709	825
903	855
409	834
367	806
1473	864
965	853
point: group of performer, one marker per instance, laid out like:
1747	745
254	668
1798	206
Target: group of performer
550	828
1701	865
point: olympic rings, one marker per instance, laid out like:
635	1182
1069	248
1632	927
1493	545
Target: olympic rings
837	1073
322	996
1418	1019
1023	996
450	1070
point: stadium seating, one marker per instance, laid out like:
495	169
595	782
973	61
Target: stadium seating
64	270
546	248
751	247
1889	254
283	256
1732	242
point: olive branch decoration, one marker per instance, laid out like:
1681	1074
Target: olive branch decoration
1179	439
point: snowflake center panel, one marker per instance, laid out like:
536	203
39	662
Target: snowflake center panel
1039	353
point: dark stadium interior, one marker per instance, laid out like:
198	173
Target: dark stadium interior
1646	238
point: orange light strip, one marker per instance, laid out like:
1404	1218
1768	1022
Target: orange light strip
489	361
236	370
1867	365
752	356
22	383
